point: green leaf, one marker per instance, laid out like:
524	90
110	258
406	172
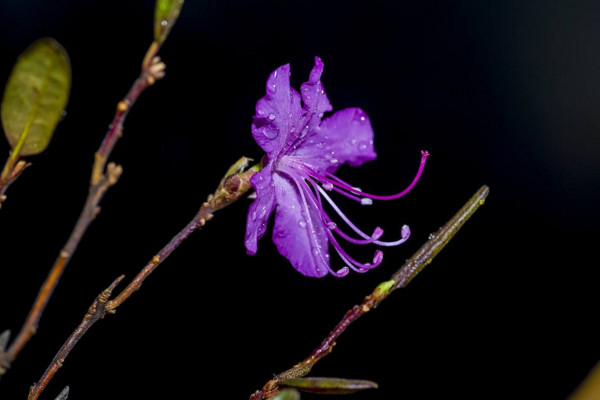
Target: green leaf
329	385
286	394
35	96
165	15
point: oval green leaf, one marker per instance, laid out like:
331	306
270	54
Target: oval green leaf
35	96
329	385
165	15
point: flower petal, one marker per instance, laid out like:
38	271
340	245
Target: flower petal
277	114
298	232
345	137
260	209
314	99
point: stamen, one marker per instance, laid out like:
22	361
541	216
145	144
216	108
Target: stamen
376	235
351	262
405	231
338	182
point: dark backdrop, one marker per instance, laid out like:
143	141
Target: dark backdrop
502	93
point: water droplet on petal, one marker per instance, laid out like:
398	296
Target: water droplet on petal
328	186
164	22
320	145
271	117
254	215
304	131
302	224
431	236
270	131
334	161
331	225
263	212
362	146
365	201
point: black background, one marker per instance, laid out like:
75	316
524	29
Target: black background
502	93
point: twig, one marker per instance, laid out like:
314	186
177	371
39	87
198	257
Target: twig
400	279
232	187
103	177
64	394
11	171
96	312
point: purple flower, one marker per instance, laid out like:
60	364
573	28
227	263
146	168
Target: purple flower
303	152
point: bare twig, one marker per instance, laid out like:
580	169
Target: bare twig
232	187
401	278
64	394
11	171
96	312
103	177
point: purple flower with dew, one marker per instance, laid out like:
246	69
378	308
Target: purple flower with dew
303	153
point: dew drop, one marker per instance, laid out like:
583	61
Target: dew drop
331	225
164	22
270	131
431	236
304	131
271	117
334	161
362	146
320	145
263	212
365	201
254	215
302	224
328	186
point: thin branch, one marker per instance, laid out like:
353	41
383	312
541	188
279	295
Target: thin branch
64	394
232	187
96	312
103	177
400	279
11	171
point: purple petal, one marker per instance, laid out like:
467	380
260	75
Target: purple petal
277	114
345	137
260	209
298	232
315	101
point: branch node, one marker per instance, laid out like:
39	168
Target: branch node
123	106
114	172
